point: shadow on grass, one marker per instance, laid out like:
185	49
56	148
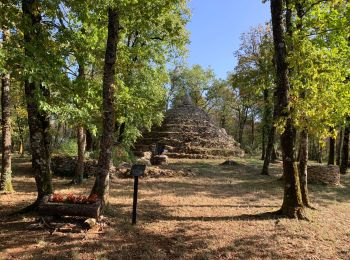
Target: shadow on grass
183	235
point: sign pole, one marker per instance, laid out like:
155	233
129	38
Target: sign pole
136	171
134	206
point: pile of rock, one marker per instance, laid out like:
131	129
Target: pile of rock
229	163
65	166
188	132
157	172
323	174
159	160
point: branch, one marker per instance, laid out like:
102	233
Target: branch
312	6
323	32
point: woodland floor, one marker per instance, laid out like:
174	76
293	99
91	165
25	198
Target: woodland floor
216	214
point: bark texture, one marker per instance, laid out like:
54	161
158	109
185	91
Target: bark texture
292	201
320	153
6	170
269	150
265	123
263	144
339	145
242	119
81	141
345	150
89	141
269	130
253	131
101	186
38	120
303	160
331	154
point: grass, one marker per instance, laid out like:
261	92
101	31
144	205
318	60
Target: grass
217	214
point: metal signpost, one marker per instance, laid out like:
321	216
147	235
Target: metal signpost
136	171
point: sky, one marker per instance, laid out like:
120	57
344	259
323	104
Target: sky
215	28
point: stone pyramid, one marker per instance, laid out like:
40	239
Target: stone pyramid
188	132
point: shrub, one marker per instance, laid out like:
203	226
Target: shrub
68	147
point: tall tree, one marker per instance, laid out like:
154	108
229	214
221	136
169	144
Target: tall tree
339	145
195	81
303	161
101	186
331	153
6	170
81	143
38	119
269	148
344	163
292	201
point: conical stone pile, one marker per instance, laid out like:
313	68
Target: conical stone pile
188	132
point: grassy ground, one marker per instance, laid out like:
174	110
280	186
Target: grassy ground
213	215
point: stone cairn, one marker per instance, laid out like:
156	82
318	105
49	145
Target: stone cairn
188	132
65	166
323	174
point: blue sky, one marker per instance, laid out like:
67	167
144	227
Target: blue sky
216	27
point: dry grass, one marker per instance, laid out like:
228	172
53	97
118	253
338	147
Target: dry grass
216	214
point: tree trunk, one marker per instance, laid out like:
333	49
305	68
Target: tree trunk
345	150
263	144
242	122
303	160
339	144
268	153
274	156
101	186
292	201
320	153
6	170
265	125
331	154
81	141
57	135
38	120
21	136
121	132
89	141
21	147
253	131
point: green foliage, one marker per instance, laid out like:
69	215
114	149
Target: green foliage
319	61
68	147
67	58
253	79
122	154
196	81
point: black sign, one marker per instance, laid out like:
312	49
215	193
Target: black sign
138	169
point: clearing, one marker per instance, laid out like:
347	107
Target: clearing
216	214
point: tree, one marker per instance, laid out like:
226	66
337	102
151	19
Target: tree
81	142
101	186
331	153
6	170
345	149
38	119
222	103
139	56
339	145
253	78
292	201
196	81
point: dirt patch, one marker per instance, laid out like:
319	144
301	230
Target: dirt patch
216	214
